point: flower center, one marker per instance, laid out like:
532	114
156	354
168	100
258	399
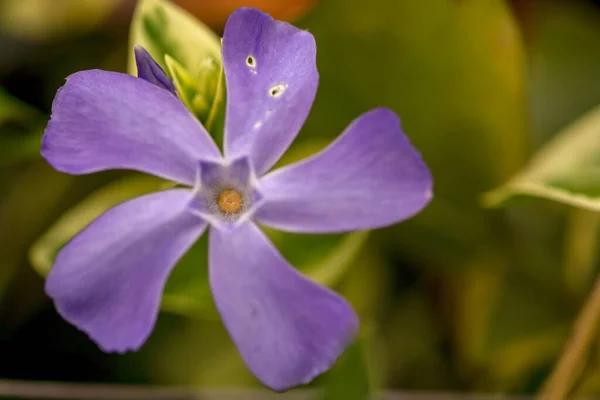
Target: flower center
230	201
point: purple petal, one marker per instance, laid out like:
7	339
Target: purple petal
272	80
370	177
108	280
106	120
238	171
150	71
287	328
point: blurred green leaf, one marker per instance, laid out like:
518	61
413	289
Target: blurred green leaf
412	343
23	213
505	329
563	60
324	258
48	19
187	291
581	251
525	332
349	377
454	72
21	129
190	352
567	169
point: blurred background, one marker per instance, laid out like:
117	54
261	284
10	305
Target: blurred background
462	298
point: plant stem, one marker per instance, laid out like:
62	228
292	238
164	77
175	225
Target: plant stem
571	362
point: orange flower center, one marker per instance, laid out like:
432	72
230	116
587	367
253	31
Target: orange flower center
230	201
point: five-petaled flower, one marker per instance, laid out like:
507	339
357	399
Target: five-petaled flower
108	279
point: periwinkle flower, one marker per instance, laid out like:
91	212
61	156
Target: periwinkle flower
108	280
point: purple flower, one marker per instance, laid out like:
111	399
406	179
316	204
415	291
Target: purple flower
109	279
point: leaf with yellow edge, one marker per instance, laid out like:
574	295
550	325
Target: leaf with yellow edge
163	28
566	170
184	85
43	251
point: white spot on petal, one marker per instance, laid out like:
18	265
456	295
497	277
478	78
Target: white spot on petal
277	90
251	61
257	125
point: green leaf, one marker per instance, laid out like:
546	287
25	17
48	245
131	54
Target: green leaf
503	327
184	84
566	170
526	331
187	292
563	59
46	20
411	347
215	121
30	197
163	28
349	379
189	52
324	258
454	72
203	95
21	129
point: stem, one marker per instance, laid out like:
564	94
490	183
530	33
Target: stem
580	250
571	362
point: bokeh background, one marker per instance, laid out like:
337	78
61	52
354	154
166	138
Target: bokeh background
464	297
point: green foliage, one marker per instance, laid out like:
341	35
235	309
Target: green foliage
163	28
454	73
21	128
566	170
30	18
188	51
349	377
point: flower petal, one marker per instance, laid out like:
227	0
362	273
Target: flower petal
370	177
287	328
272	79
237	172
216	177
106	120
150	71
108	280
